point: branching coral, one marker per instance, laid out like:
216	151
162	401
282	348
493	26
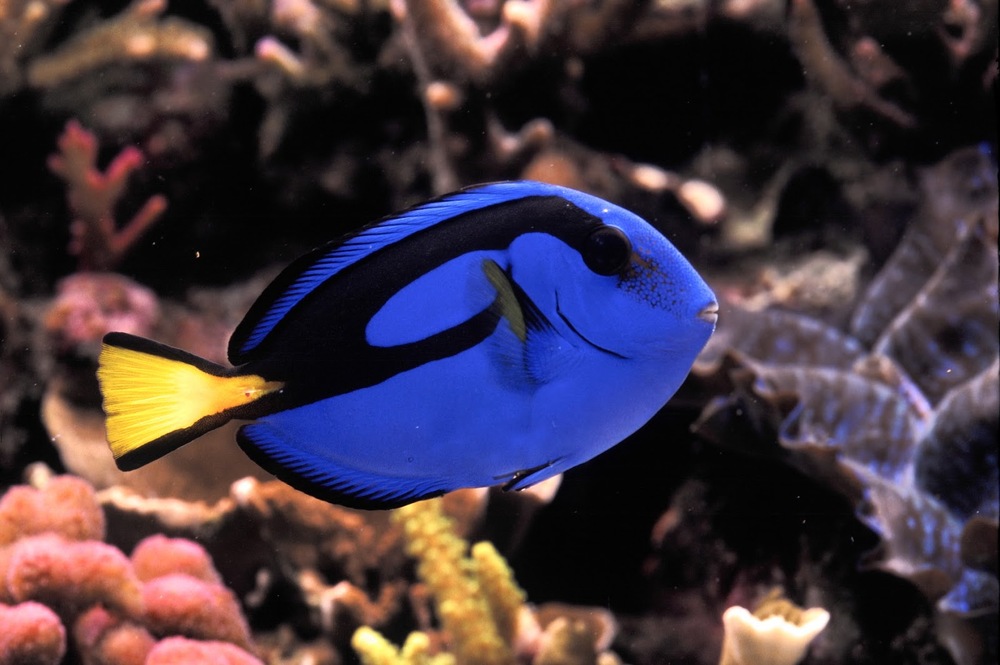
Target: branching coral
135	35
482	611
92	196
831	72
23	26
65	505
468	611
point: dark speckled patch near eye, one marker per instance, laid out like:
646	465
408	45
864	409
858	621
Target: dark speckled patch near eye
645	281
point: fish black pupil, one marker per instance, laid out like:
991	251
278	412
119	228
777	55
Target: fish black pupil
607	250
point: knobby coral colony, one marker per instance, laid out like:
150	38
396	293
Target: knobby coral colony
61	586
902	411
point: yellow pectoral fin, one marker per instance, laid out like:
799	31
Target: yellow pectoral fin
152	393
507	303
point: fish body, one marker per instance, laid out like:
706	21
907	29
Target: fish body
498	335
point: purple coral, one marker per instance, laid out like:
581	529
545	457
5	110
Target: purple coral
900	413
89	305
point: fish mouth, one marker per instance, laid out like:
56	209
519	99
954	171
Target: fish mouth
709	313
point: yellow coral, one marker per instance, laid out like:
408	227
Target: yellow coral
373	649
478	601
465	613
504	597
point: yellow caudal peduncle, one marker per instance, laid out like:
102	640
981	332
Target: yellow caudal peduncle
149	396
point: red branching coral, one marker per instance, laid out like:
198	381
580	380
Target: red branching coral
175	650
178	604
158	555
67	506
92	196
30	634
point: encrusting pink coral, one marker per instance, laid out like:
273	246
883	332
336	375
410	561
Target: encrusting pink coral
179	604
104	639
30	634
72	576
88	305
158	555
175	650
66	505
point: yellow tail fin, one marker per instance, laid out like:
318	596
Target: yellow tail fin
158	398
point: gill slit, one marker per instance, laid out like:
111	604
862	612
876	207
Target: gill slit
581	336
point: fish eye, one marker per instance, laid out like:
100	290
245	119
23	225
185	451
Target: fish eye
607	250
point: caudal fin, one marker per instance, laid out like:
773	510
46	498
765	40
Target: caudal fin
157	398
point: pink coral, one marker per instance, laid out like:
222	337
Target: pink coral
176	650
30	634
72	576
66	505
117	607
158	555
93	194
182	604
89	305
104	639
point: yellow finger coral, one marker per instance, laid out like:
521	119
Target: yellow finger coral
478	602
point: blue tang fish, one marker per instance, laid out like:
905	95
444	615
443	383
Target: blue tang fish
497	335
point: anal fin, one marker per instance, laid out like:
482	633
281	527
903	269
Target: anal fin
524	478
327	480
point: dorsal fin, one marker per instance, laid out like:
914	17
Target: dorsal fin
307	273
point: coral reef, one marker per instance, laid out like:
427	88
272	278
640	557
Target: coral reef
31	634
828	165
874	412
58	575
482	612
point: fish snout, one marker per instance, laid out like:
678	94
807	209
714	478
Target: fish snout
709	313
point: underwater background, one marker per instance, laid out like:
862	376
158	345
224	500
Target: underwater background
830	464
